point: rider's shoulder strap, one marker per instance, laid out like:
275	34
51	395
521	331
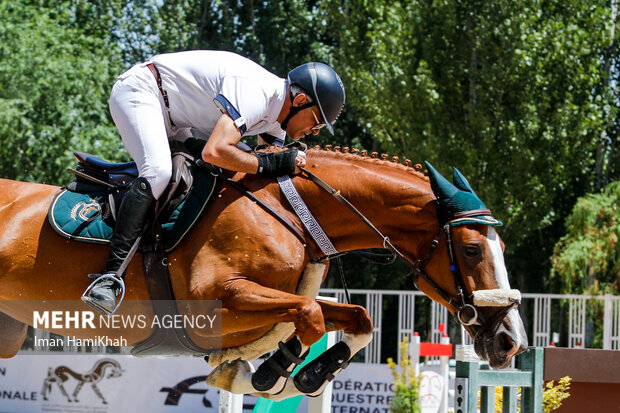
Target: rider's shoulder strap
228	108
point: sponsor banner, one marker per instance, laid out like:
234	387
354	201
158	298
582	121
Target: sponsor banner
101	384
363	388
112	383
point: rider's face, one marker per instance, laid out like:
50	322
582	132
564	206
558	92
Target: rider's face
305	122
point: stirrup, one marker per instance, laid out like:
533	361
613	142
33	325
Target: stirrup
94	304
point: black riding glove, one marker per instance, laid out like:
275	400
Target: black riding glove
275	164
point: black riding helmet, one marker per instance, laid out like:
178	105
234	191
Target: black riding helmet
324	86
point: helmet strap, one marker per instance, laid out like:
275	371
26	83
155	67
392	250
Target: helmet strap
293	111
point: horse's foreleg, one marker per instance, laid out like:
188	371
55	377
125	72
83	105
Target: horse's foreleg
77	390
98	393
316	375
13	335
252	305
63	391
249	305
272	375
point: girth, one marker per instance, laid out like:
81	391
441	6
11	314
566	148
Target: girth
163	341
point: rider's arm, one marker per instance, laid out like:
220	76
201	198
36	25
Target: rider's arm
221	151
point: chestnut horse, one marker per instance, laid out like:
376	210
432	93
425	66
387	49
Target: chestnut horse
241	255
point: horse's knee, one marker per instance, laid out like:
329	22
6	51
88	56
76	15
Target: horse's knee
363	323
310	324
359	334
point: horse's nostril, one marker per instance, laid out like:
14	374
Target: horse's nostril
503	343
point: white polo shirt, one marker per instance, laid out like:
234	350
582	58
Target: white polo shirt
194	79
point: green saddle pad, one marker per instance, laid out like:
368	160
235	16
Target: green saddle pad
86	215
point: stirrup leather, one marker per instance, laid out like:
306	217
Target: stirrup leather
95	304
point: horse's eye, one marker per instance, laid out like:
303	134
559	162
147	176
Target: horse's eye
471	251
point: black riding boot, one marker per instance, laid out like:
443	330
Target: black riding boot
130	221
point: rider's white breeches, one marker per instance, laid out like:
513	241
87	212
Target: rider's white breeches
139	112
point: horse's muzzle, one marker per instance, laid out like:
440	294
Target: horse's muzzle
500	345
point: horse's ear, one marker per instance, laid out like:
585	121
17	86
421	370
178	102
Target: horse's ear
460	181
442	188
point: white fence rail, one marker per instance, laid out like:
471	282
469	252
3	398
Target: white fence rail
541	317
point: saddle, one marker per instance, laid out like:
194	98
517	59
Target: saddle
85	210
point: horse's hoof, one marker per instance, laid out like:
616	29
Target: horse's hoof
235	377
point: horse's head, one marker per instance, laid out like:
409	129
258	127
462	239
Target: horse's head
464	270
112	365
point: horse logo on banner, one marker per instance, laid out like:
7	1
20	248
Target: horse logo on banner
103	369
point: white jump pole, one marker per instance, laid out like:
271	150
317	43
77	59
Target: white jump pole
445	373
230	402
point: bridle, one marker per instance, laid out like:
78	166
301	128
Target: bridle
464	307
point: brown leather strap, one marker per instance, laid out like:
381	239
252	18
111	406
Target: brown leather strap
472	213
155	72
164	94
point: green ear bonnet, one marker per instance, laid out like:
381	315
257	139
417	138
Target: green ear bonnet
458	204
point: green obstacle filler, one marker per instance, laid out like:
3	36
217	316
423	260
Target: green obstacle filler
290	405
471	376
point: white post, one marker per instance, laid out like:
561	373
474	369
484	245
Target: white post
414	352
230	403
445	373
608	320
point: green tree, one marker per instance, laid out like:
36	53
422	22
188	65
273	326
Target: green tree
54	85
513	93
587	258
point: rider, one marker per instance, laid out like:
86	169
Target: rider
222	96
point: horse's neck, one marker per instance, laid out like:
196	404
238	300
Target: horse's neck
396	199
102	366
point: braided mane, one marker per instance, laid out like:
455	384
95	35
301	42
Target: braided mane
358	155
